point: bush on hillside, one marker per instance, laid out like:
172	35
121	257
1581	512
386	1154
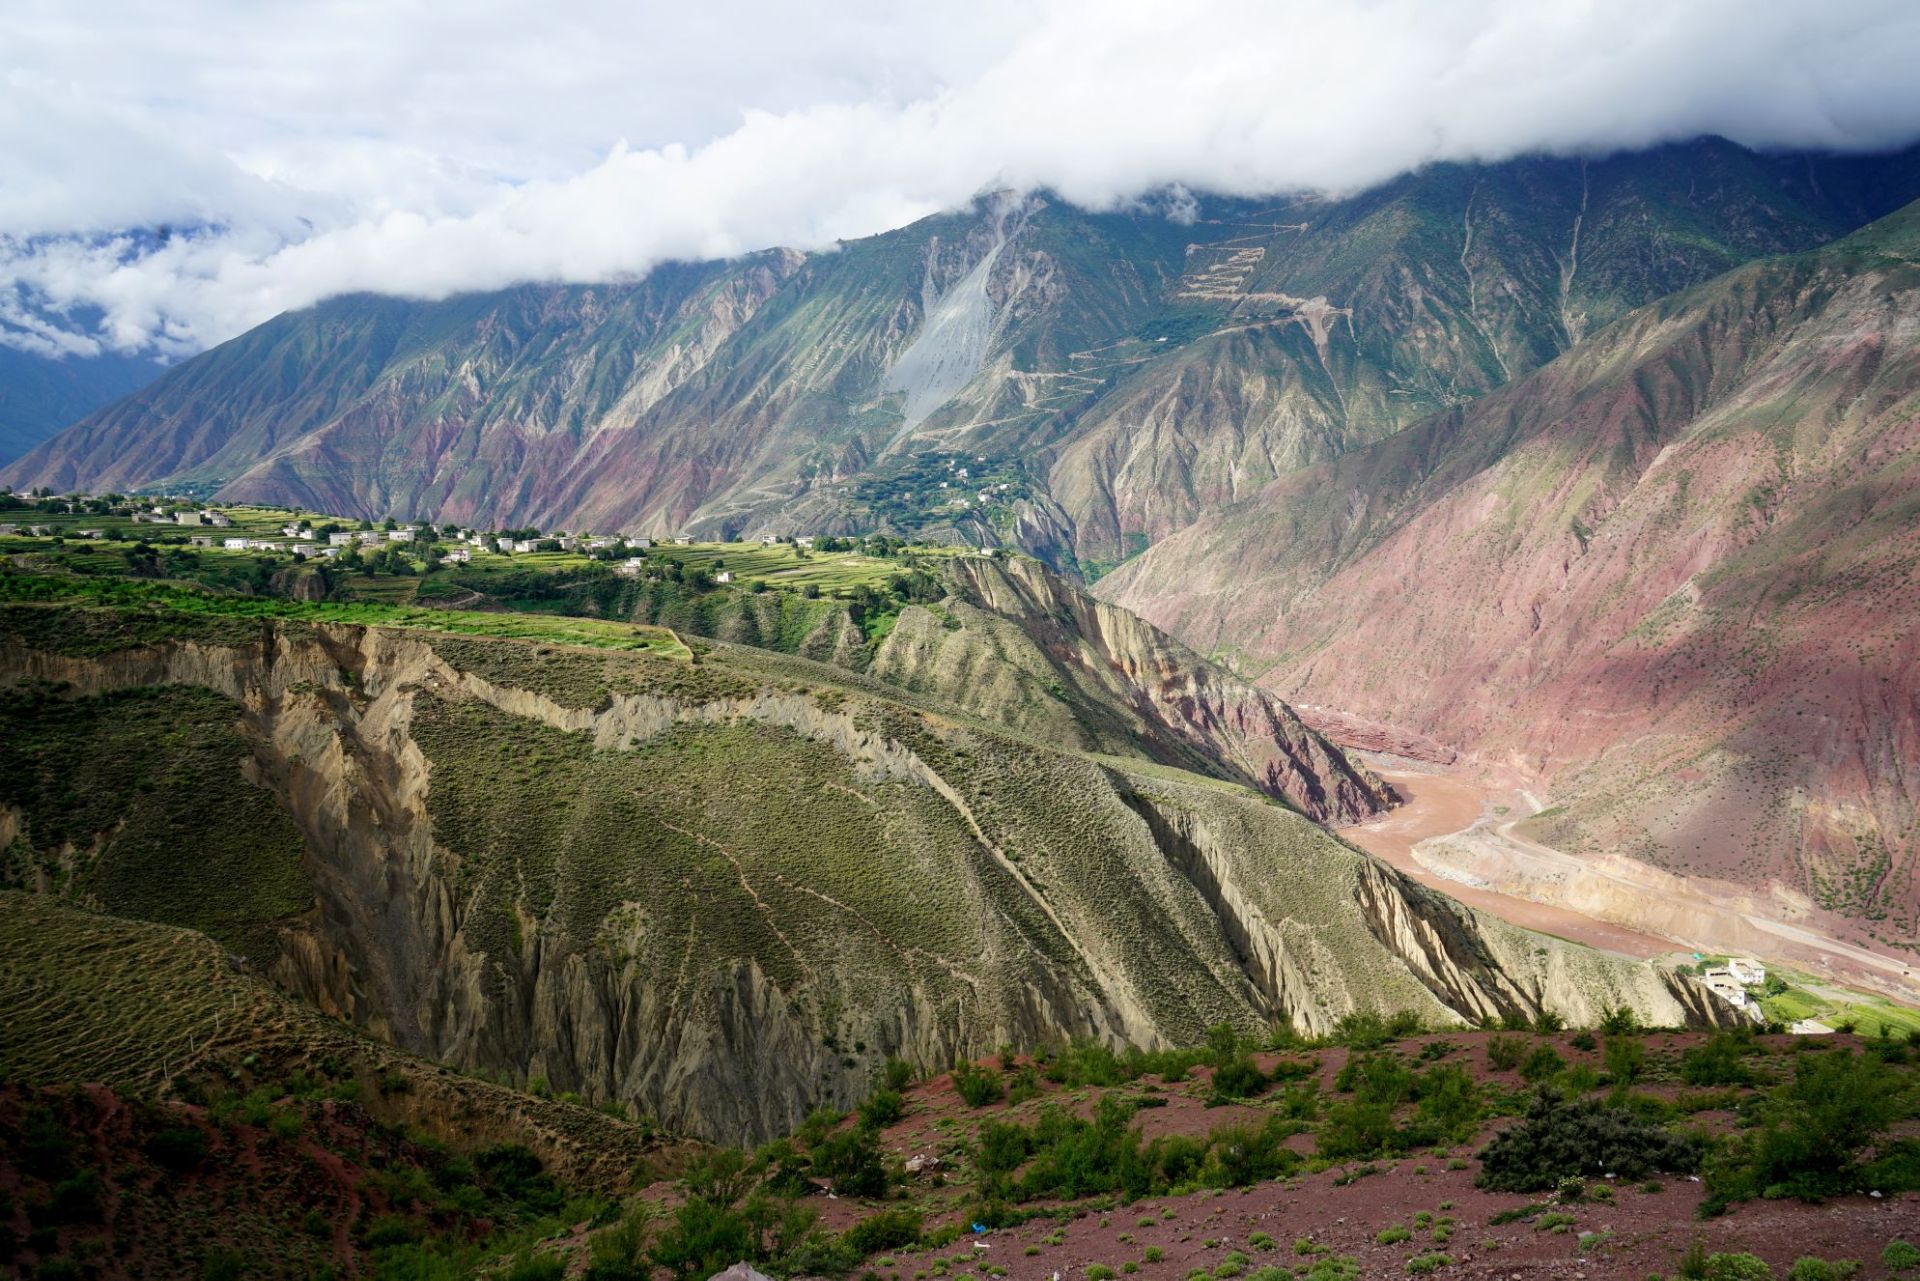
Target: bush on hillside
1558	1139
1816	1130
978	1086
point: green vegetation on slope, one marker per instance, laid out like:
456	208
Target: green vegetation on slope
135	802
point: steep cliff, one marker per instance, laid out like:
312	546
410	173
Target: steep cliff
721	887
1018	645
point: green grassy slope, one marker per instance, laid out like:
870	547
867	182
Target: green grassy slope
720	884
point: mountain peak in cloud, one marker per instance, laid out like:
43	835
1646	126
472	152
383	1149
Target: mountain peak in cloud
332	149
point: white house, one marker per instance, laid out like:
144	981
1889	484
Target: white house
91	533
201	540
291	530
234	544
769	540
219	520
186	518
631	567
525	544
683	540
459	555
368	537
339	538
724	576
306	549
805	540
399	535
1747	971
639	542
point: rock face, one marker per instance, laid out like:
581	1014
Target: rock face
1018	645
1131	372
1672	573
721	890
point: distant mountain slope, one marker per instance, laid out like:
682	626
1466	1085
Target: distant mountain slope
39	395
1120	374
1678	570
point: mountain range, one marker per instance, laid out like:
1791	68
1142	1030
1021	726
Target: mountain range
1594	465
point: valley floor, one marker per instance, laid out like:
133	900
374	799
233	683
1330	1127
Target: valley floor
1456	834
1443	803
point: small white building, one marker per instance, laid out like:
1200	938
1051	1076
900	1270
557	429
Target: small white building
525	544
339	538
640	542
306	549
683	540
234	544
630	567
805	540
459	555
368	538
201	540
219	520
292	529
187	518
769	540
91	533
1747	971
724	576
399	535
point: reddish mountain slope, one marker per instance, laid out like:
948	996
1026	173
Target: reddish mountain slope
1674	572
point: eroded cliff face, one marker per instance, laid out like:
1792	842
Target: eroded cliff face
721	896
1016	642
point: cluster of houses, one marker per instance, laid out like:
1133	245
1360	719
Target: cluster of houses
303	541
1731	981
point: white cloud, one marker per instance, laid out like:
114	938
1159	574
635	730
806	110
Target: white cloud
322	148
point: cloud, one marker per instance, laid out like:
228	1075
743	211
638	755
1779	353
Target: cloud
311	150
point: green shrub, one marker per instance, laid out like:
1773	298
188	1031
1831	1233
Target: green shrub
1543	1063
881	1109
1393	1235
1098	1272
1625	1058
1238	1078
1432	1261
1815	1129
899	1074
851	1159
1901	1256
1557	1139
1505	1053
178	1148
977	1085
1620	1021
1810	1268
887	1230
1720	1060
1737	1267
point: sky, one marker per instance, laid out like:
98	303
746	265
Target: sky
171	176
